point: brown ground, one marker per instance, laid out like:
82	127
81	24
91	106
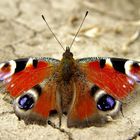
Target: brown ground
112	28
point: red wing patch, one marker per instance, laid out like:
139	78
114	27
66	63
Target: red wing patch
46	101
116	83
27	75
28	78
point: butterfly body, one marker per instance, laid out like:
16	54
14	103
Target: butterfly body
67	66
87	90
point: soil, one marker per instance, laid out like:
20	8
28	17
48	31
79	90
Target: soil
111	29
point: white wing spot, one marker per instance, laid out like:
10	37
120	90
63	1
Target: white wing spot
124	86
30	62
3	75
128	66
108	62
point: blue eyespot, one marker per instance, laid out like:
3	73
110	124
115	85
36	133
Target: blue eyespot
106	103
26	102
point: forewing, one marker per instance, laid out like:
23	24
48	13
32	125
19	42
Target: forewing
22	74
114	75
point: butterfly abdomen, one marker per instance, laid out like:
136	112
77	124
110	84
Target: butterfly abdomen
66	95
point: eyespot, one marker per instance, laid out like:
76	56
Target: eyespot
26	102
106	103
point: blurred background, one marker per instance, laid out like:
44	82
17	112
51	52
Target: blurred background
111	29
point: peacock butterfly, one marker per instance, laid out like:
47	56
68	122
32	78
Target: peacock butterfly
87	90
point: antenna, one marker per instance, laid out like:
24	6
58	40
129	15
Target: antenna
78	29
53	33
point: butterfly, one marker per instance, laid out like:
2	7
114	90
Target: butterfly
87	90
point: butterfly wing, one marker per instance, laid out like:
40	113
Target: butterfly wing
83	109
22	77
91	106
22	74
102	84
36	104
116	76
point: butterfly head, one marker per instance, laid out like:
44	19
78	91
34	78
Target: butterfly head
67	54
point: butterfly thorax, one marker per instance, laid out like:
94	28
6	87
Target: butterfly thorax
67	66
